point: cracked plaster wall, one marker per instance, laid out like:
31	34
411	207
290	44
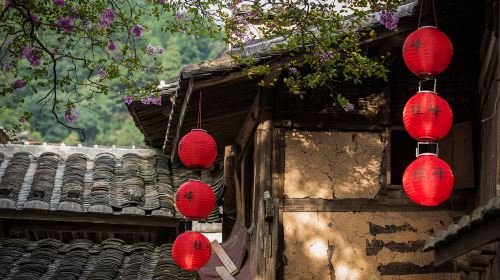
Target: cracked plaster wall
337	245
333	165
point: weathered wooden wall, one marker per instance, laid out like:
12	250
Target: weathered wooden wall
488	87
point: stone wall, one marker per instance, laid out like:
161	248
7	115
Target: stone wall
361	246
333	164
350	245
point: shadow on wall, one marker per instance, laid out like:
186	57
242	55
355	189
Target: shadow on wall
360	246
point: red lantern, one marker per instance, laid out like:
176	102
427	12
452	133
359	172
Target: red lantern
197	149
191	250
428	180
427	117
427	52
195	200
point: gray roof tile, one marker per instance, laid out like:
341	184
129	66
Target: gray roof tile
82	259
479	215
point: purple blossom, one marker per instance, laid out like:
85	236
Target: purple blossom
234	9
7	42
107	18
241	20
179	16
66	23
32	55
150	50
293	70
137	30
71	115
389	20
17	85
102	73
324	57
159	50
152	100
128	99
349	107
111	46
87	24
161	1
7	66
59	3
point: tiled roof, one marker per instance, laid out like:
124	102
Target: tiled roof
480	215
96	180
82	259
83	179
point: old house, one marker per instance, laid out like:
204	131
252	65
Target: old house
319	189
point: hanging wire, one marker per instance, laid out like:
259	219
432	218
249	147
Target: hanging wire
433	10
199	111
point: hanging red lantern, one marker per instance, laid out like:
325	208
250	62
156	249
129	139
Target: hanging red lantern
195	200
428	180
197	149
427	117
427	52
191	250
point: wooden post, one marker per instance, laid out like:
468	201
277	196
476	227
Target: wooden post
263	181
230	198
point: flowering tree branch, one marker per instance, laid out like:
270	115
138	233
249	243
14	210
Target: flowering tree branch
69	52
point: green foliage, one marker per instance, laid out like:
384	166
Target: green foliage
105	118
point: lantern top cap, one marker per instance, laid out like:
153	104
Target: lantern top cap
427	91
427	26
198	129
427	154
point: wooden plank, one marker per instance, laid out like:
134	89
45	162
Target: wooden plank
263	267
223	273
488	62
249	124
88	218
479	235
225	259
276	228
463	156
219	80
230	207
362	204
181	119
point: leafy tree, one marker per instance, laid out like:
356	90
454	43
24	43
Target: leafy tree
68	54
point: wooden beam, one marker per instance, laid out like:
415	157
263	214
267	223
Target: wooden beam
262	259
248	126
230	205
361	204
218	80
478	235
276	228
88	218
181	119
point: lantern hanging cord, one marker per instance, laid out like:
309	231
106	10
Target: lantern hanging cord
199	111
433	10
